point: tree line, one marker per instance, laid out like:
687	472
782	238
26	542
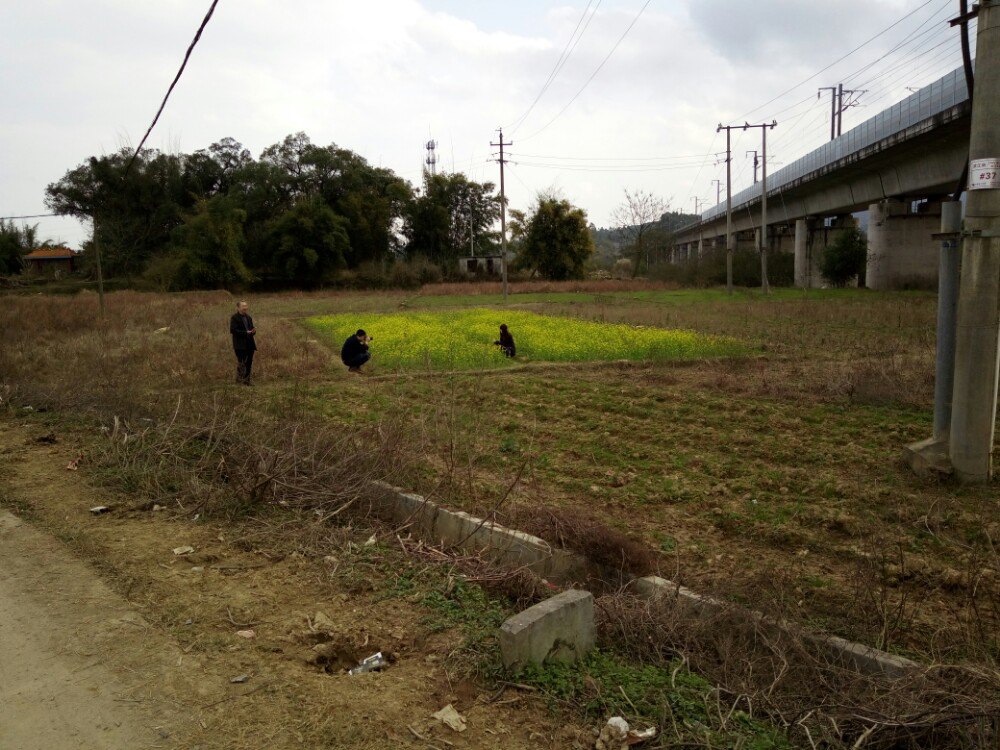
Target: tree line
299	215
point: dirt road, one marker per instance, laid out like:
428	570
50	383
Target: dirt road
71	675
108	639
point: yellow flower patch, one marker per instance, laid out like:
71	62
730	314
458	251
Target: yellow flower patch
463	339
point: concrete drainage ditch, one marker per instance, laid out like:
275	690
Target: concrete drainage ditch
562	627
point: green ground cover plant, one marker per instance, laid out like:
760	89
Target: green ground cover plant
463	339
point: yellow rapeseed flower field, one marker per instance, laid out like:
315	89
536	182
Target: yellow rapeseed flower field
463	339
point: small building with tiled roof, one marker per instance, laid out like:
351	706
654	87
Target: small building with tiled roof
51	261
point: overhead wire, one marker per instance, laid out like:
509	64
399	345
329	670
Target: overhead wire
607	158
560	63
909	39
929	68
708	154
931	65
905	65
818	120
180	71
594	74
840	59
585	168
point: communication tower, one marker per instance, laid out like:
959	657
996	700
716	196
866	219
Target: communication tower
431	160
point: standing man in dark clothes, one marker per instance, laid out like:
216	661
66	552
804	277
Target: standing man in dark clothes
506	342
355	351
243	331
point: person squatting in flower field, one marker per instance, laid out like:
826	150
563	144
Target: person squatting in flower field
355	352
506	342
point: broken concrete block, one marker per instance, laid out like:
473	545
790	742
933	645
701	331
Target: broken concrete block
559	629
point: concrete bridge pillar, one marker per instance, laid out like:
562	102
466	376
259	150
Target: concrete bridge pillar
808	255
812	236
902	252
745	241
801	253
782	241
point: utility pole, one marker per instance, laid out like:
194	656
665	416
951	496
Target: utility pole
729	204
701	241
837	105
756	163
100	274
762	246
503	214
765	287
833	108
718	191
977	342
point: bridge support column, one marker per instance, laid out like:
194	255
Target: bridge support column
902	252
808	256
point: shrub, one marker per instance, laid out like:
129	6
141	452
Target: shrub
411	274
622	269
844	259
710	269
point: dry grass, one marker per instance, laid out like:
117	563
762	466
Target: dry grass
763	670
617	463
57	352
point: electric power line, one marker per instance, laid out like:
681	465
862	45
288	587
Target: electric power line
584	168
27	216
173	83
838	60
561	62
609	158
594	74
692	190
907	72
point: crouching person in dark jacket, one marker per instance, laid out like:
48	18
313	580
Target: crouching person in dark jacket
506	342
242	329
355	351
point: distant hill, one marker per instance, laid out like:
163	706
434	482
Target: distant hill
608	245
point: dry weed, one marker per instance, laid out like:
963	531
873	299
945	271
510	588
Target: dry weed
768	671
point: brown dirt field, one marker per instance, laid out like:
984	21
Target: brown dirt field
177	658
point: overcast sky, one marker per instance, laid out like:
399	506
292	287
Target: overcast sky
381	77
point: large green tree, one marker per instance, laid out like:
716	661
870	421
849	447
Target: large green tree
305	211
557	243
307	243
207	247
134	214
15	242
451	215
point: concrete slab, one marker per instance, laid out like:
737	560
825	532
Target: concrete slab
434	524
928	458
558	629
852	655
